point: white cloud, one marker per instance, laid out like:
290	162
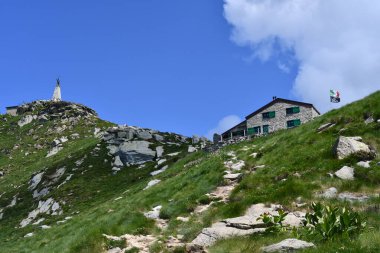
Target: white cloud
335	42
224	124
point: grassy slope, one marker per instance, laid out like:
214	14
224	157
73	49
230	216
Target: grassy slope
93	194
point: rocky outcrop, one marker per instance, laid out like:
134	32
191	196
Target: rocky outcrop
48	206
287	245
244	225
135	146
346	146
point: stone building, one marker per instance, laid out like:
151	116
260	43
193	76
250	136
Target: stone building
278	114
11	110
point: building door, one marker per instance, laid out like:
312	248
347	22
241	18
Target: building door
266	129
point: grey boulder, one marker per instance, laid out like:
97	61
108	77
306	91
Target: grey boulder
287	245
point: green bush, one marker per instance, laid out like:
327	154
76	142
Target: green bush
274	222
329	222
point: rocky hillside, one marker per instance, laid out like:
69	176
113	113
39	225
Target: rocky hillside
71	182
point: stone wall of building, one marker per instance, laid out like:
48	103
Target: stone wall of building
280	120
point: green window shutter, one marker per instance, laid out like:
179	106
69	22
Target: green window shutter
251	131
266	129
297	122
272	114
296	109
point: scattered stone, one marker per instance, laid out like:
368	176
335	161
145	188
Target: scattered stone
345	173
27	119
191	149
13	202
254	155
234	165
159	151
325	126
41	193
152	183
329	193
29	235
353	197
39	221
158	137
233	176
54	151
118	162
183	219
154	214
48	206
174	154
156	172
369	120
159	162
45	227
36	179
287	245
364	164
346	146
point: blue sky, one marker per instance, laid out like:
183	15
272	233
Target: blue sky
168	65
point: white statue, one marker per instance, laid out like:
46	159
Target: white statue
57	92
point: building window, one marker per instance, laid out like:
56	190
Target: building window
293	123
257	130
269	115
292	110
251	131
266	129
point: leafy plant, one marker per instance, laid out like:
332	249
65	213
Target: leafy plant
274	222
329	222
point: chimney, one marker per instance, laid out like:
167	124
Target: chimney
274	97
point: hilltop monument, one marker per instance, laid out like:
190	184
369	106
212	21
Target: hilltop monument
57	92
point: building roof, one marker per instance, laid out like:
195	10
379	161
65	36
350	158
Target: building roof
243	123
284	101
11	107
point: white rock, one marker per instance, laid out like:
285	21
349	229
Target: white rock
191	149
254	155
36	179
154	214
174	154
287	245
152	183
156	172
118	162
233	176
161	161
43	192
54	151
160	151
329	193
346	146
26	120
353	197
364	164
29	235
13	202
345	173
63	139
45	227
39	221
